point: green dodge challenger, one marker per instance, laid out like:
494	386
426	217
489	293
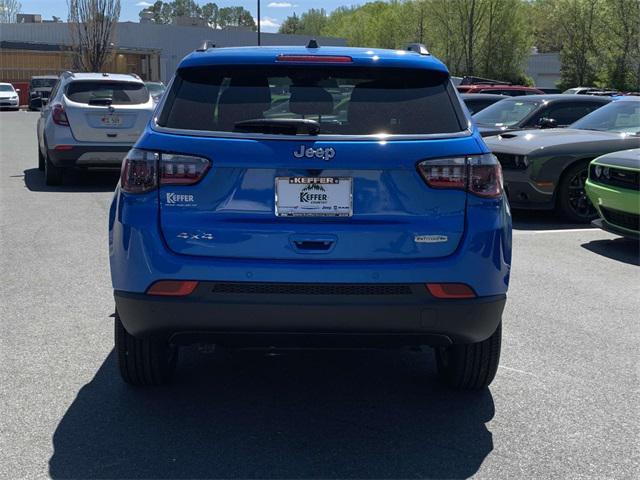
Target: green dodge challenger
613	187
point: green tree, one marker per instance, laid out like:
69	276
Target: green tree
291	25
185	8
161	12
579	27
210	13
621	30
235	17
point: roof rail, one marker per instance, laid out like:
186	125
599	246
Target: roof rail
418	48
206	45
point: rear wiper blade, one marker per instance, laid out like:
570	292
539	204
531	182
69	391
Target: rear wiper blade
279	126
101	101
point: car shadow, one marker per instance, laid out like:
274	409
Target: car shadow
621	249
318	414
74	181
542	220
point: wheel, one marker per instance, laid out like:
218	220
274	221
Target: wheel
40	160
143	361
52	174
472	366
573	202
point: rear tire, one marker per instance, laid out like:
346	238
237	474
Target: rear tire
40	160
574	204
52	174
470	366
143	361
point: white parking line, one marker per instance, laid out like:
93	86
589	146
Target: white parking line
561	230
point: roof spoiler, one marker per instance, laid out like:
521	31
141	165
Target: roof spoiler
418	48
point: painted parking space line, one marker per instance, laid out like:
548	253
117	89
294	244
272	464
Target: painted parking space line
560	230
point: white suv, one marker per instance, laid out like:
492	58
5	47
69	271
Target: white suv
91	120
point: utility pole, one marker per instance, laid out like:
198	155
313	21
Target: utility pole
258	22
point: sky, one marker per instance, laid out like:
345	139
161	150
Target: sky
273	12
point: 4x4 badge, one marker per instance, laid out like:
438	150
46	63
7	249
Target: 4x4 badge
324	153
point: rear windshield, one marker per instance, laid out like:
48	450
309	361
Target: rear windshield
342	100
119	93
506	112
43	82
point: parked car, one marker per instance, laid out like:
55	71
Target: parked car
579	90
39	89
547	169
9	97
613	187
549	91
479	101
156	90
509	90
535	111
323	227
91	120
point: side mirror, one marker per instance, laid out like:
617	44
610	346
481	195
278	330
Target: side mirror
546	122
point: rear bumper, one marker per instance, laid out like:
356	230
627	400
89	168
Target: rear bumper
105	156
243	316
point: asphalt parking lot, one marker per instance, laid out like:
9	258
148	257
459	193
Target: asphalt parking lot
564	404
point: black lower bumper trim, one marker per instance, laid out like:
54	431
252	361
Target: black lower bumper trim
412	319
608	227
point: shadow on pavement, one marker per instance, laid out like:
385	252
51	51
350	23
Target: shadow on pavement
74	181
542	220
621	249
319	414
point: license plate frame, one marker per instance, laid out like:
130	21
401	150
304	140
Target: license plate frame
289	203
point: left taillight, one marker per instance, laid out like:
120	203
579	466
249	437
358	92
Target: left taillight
59	116
478	174
143	170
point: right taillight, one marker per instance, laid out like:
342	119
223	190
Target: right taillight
59	116
143	170
478	174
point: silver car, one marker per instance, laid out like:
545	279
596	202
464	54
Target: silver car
9	97
91	120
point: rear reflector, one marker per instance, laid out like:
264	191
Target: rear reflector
450	290
173	288
314	59
63	148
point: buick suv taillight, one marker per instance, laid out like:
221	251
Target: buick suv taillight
478	174
143	170
59	116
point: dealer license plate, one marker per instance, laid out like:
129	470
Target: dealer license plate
314	196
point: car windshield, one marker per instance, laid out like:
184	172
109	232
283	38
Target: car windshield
43	82
6	88
341	100
506	113
622	116
116	93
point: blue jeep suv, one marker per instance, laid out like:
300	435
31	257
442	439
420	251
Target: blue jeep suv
291	196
